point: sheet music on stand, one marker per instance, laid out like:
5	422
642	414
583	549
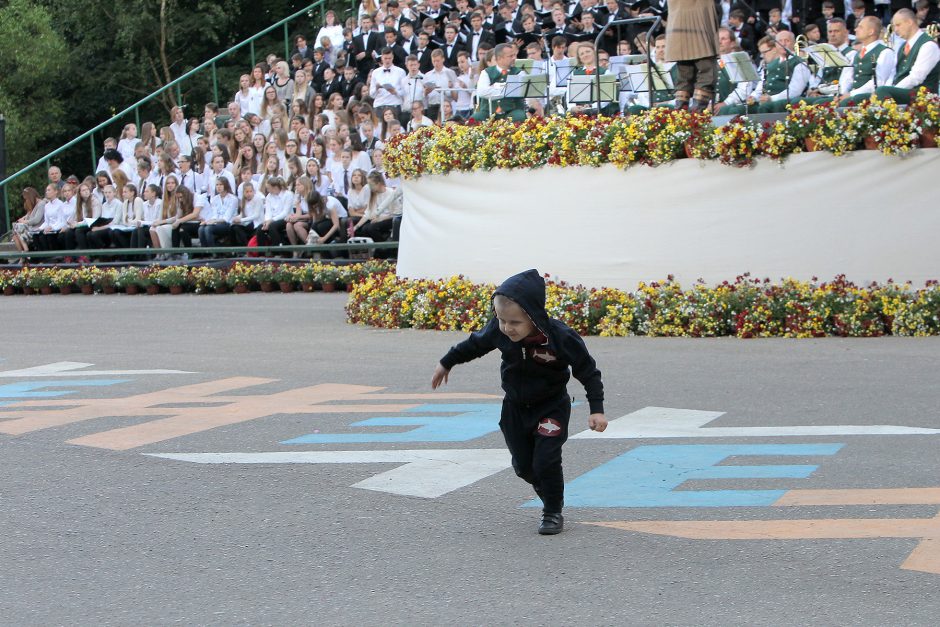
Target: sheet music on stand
526	86
584	89
563	71
531	66
739	67
619	63
826	55
639	76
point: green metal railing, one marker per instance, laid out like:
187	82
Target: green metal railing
175	84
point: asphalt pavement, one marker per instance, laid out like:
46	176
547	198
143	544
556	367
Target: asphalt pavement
815	501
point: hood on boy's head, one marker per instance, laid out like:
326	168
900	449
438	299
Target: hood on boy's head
528	290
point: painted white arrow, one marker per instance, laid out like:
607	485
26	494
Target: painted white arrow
666	422
69	368
427	473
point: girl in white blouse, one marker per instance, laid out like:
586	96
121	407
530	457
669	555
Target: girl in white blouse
250	215
359	194
125	222
150	212
222	210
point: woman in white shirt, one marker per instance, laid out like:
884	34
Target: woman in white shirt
277	206
161	231
100	236
243	95
359	195
125	222
128	143
320	179
222	210
325	215
331	28
384	205
298	222
87	210
250	215
151	209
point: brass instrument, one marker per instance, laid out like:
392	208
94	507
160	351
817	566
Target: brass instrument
800	45
887	36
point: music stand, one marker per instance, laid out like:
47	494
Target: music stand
531	66
618	63
598	89
740	69
563	70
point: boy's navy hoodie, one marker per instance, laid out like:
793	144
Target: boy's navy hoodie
534	370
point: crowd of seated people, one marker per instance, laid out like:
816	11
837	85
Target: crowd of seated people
296	154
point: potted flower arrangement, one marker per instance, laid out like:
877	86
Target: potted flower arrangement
39	281
87	278
263	273
64	280
924	112
326	277
174	278
885	127
129	279
739	141
207	279
804	120
6	283
306	276
148	280
285	276
106	280
239	278
21	281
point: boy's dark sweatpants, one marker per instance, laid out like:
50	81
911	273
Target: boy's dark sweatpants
535	434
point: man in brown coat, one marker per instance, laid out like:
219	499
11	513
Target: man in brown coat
692	42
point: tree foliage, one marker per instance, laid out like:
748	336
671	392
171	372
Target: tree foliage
31	51
86	61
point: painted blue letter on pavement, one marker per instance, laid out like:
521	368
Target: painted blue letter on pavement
27	389
473	421
648	476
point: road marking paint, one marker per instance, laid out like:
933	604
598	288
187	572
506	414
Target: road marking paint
73	369
924	558
22	420
887	496
426	473
648	476
471	422
666	422
41	389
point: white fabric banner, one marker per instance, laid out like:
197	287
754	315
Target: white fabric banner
867	216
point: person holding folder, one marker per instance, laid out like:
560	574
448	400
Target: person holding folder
492	86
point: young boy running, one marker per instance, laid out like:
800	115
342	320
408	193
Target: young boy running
537	353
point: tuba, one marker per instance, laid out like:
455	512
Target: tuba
800	45
886	39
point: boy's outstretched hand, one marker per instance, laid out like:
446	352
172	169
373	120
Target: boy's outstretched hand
597	422
440	376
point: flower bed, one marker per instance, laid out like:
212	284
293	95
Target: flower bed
179	279
744	308
662	135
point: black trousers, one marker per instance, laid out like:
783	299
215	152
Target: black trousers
241	233
186	232
274	236
535	434
99	239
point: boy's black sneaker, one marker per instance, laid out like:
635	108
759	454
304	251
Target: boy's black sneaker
551	524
